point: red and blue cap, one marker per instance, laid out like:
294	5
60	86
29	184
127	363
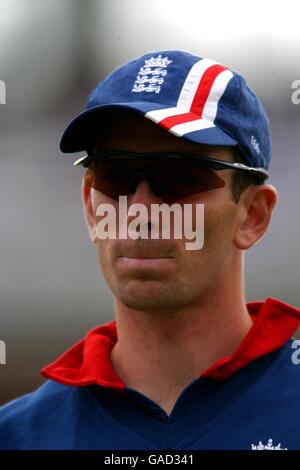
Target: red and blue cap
191	97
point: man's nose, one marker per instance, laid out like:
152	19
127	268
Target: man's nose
144	192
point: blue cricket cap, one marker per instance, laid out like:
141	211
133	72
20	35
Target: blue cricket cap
193	98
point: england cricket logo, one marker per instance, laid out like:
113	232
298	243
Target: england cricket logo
152	75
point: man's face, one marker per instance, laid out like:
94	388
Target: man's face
161	275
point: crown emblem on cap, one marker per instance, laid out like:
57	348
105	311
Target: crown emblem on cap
158	61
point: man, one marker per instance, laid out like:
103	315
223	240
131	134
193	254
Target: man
187	364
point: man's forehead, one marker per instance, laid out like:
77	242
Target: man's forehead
122	122
127	130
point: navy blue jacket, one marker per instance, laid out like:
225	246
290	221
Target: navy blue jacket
248	400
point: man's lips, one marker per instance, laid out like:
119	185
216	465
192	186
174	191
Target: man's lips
147	262
145	257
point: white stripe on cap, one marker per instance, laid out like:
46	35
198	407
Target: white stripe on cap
161	114
192	81
187	96
187	93
219	86
191	126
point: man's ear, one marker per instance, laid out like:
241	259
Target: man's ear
88	210
256	205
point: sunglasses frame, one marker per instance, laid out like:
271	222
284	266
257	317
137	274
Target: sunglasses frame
212	162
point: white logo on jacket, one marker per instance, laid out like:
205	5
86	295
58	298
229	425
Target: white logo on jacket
268	446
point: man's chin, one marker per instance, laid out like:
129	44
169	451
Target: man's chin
149	295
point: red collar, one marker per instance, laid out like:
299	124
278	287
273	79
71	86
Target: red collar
88	362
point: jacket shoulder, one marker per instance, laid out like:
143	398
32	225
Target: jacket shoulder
18	417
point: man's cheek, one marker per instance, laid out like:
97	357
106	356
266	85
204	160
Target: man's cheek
193	227
104	255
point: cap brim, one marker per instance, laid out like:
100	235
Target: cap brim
81	130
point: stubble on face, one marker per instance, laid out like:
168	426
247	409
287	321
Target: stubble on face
181	277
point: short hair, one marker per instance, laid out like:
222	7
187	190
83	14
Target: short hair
241	180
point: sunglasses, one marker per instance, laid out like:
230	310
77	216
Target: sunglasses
172	175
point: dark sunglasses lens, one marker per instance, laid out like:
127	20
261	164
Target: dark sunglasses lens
109	177
182	178
176	178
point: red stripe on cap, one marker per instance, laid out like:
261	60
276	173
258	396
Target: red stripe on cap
199	101
172	121
205	85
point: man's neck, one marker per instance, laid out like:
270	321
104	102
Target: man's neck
159	355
